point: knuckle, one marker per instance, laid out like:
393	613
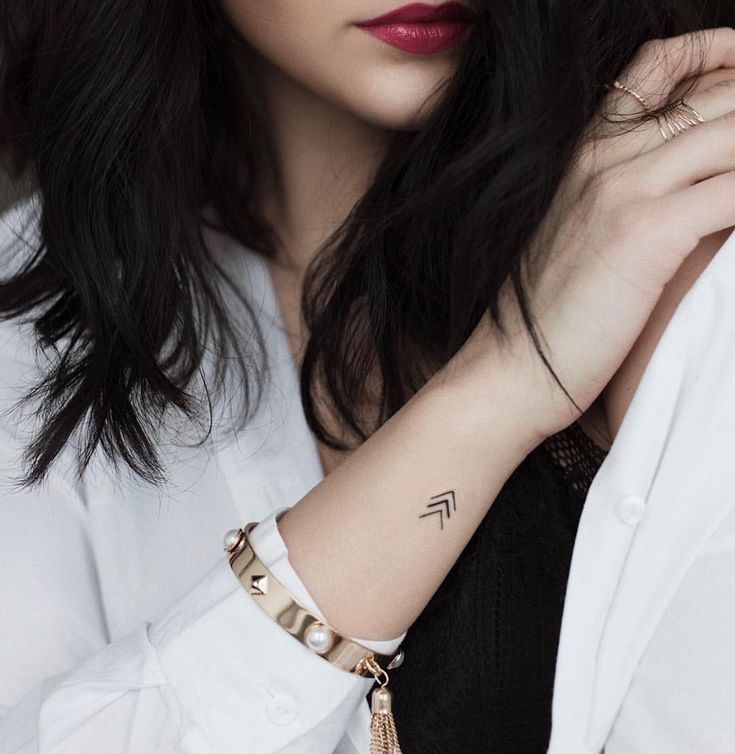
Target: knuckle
651	45
723	87
725	33
646	52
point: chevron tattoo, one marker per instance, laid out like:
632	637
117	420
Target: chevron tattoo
443	504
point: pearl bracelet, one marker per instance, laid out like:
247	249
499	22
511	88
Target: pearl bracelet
274	599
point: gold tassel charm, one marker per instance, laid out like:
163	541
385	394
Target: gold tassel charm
383	733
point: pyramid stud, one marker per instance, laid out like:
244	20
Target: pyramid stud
397	661
259	584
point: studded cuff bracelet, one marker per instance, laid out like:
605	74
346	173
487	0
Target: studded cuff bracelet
318	636
273	597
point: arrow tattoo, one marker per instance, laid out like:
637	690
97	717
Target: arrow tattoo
444	503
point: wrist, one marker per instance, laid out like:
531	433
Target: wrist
486	396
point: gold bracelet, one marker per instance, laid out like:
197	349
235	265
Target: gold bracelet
317	635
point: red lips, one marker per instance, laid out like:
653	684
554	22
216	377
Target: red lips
420	28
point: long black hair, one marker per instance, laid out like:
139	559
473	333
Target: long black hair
133	119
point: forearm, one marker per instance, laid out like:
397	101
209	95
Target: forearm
365	541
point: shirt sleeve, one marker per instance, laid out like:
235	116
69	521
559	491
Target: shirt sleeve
211	674
214	674
267	542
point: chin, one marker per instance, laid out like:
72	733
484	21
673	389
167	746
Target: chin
401	104
396	98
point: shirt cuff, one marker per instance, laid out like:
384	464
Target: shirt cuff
269	546
242	680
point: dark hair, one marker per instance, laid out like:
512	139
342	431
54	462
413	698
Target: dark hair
132	118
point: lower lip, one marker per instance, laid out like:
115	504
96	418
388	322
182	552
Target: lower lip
420	39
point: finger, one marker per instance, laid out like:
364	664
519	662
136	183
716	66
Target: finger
699	153
707	80
716	100
712	103
653	73
660	64
699	210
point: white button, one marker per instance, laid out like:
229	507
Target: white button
631	509
282	709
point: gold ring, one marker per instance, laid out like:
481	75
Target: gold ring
677	117
617	85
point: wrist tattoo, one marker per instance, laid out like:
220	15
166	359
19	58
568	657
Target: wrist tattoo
443	504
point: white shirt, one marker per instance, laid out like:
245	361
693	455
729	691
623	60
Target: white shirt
124	629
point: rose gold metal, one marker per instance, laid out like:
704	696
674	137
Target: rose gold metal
275	600
627	90
678	117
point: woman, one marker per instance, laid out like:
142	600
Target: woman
491	277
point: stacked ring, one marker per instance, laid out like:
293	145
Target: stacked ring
678	117
675	118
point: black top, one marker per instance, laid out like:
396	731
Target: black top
479	667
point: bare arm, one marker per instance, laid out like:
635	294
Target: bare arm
374	540
625	221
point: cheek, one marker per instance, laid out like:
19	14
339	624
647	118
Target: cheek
315	43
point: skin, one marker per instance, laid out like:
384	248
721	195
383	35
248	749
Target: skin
315	44
626	249
334	95
619	391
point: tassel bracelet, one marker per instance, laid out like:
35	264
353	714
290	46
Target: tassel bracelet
383	733
318	636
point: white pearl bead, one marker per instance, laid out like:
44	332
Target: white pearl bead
319	637
231	538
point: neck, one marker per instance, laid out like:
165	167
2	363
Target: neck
326	159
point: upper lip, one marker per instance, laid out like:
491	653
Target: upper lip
421	13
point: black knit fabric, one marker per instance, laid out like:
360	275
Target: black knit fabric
479	667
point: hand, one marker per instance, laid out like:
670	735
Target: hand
629	213
619	391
